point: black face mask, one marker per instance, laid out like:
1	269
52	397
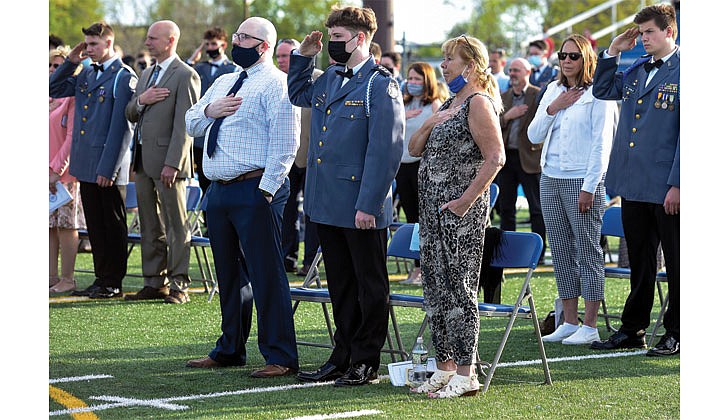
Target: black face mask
245	57
142	65
337	50
214	53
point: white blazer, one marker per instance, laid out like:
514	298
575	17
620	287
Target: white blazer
587	128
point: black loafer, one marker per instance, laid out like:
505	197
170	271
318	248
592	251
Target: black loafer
358	374
327	372
667	346
620	340
106	293
87	291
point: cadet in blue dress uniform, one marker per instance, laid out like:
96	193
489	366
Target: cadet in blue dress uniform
357	128
644	169
100	150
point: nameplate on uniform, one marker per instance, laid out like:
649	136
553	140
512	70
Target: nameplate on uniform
354	103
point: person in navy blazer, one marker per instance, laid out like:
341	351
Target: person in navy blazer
644	169
214	42
357	128
100	150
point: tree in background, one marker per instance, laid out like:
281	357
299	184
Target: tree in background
67	17
509	23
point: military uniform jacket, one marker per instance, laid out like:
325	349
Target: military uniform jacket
165	141
101	133
529	153
204	69
356	141
645	158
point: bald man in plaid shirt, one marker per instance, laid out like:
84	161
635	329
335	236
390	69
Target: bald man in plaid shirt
251	136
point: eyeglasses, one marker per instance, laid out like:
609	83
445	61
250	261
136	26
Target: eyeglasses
242	36
54	65
572	55
468	42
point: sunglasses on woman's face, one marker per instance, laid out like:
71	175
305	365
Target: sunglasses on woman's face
54	65
572	55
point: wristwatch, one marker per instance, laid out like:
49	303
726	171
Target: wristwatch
266	193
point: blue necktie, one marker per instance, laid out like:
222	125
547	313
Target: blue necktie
155	74
215	129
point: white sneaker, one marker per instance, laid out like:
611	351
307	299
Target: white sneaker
585	335
564	331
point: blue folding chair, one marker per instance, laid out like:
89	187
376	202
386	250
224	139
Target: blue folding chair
200	244
612	226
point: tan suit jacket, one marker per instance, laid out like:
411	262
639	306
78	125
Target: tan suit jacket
162	128
302	153
165	233
529	153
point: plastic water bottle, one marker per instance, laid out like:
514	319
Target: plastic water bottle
419	363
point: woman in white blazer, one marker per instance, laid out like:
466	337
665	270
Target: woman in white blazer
577	131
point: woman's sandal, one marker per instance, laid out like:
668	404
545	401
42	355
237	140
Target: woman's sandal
459	386
438	380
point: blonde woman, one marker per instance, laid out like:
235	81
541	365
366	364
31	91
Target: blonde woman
462	151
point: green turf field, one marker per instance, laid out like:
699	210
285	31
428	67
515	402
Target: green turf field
119	360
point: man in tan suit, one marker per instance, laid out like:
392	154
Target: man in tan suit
162	161
297	176
522	157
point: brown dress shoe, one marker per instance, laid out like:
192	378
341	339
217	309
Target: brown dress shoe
205	362
149	293
177	297
270	371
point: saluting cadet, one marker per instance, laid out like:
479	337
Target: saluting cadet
357	129
644	169
100	150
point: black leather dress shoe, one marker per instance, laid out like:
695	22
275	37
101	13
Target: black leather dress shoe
106	293
87	291
620	340
358	374
327	372
667	346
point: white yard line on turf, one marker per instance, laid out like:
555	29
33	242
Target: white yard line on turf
346	415
167	403
78	378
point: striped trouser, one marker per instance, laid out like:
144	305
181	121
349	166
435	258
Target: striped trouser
574	238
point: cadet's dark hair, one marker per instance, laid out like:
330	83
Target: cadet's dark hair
354	19
540	44
99	29
215	33
663	15
395	56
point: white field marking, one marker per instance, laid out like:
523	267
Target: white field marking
165	403
346	415
78	378
573	358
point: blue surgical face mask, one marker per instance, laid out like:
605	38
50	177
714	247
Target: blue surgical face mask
457	83
245	57
415	90
535	60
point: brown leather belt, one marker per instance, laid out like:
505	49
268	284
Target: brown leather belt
243	177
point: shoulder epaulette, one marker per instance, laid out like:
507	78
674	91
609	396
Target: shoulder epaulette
383	70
